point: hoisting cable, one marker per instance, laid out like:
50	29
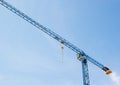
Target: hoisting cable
62	48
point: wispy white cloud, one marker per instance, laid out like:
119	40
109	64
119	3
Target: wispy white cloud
115	78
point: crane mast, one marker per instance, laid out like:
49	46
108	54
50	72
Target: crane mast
82	56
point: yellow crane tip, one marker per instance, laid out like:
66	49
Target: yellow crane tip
108	72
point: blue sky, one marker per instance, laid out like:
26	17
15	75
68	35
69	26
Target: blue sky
30	57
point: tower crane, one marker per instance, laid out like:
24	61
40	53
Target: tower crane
82	56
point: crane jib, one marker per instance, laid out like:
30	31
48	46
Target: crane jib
49	32
82	56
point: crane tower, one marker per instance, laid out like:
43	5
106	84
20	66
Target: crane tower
82	56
